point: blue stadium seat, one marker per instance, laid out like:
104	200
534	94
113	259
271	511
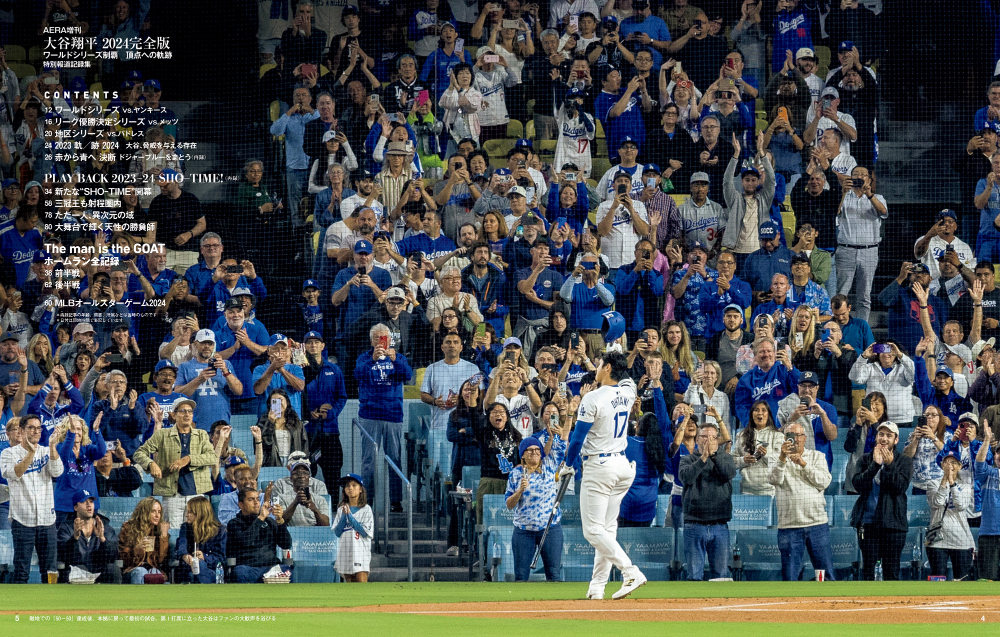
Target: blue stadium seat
751	512
243	423
840	512
314	549
118	510
470	477
243	440
268	474
662	504
918	512
839	473
495	512
844	546
759	551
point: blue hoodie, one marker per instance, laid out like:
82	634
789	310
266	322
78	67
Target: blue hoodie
772	385
988	481
50	417
327	387
80	472
380	386
713	306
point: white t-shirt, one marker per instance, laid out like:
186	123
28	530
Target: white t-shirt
843	164
827	123
608	408
442	380
619	246
348	205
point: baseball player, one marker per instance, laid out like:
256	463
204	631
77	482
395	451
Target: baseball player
601	434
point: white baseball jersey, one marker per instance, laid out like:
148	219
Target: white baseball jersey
608	408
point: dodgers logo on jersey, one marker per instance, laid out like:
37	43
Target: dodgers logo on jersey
504	464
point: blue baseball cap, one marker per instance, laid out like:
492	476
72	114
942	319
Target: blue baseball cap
40	256
311	335
609	19
363	247
153	83
82	495
10	181
651	167
947	212
169	172
523	143
948	453
277	337
166	363
944	369
310	283
768	230
527	443
574	93
234	461
627	140
512	341
352	476
846	45
78	84
503	172
749	170
134	75
732	307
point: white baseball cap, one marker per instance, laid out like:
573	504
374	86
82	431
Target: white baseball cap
204	335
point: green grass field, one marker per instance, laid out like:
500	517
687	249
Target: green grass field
48	601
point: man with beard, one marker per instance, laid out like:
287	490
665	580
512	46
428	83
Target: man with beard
487	282
164	377
710	155
356	290
207	378
367	196
312	138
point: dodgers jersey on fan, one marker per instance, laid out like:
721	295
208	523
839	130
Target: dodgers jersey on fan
608	408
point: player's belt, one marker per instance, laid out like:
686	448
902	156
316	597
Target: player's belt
605	455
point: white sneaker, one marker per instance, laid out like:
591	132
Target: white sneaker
630	585
595	594
452	551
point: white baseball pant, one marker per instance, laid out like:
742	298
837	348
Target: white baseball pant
603	486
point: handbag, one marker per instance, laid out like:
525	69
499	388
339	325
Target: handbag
154	578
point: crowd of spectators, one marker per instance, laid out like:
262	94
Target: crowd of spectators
476	268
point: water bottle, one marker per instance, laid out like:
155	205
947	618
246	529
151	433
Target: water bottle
220	574
916	553
878	571
496	554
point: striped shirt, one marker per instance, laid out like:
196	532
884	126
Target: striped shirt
859	223
392	190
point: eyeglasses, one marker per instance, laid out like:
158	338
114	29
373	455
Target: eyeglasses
186	410
211	246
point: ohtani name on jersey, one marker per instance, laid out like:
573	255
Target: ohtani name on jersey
618	401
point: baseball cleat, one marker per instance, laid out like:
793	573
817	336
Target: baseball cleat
630	585
593	594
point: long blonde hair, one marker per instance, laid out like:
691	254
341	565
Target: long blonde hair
205	526
687	360
62	430
809	334
45	364
139	525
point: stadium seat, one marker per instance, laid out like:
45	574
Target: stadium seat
759	551
118	510
267	474
844	547
823	56
243	423
495	512
788	221
529	129
599	133
499	147
314	549
546	147
243	440
918	512
840	512
599	167
515	129
839	472
470	477
264	68
662	504
751	512
679	199
15	53
600	148
21	70
35	55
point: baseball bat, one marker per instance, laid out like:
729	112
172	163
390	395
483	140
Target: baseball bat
563	485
